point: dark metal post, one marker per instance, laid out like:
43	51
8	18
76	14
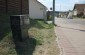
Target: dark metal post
53	11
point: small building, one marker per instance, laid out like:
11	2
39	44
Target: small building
63	14
37	10
79	9
34	8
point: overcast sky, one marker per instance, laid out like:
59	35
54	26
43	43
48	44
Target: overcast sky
62	5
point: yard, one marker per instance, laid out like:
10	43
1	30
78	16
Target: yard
41	40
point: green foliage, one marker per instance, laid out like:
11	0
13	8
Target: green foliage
40	30
50	17
41	24
39	42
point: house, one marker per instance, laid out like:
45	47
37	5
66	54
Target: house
34	8
79	9
37	10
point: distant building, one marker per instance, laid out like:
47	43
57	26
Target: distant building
60	14
70	14
34	8
63	14
79	9
51	13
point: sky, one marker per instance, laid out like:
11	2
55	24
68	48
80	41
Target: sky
62	5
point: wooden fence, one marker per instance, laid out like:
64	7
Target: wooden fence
14	6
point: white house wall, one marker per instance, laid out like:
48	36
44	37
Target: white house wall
75	12
36	10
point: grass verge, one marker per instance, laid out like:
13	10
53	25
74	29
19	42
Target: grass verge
45	38
7	46
41	41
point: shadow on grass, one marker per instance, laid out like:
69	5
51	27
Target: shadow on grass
26	47
4	30
4	25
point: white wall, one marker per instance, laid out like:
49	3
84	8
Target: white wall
36	10
70	14
75	12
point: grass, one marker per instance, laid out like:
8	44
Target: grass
6	41
45	38
41	39
7	46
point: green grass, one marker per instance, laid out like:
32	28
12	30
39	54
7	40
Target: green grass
38	29
40	24
4	25
7	46
40	33
6	41
45	37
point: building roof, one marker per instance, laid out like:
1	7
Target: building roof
79	7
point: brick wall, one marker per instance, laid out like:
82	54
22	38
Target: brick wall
14	6
25	7
2	6
79	7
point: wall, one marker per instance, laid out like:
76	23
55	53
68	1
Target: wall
75	12
14	6
2	6
36	10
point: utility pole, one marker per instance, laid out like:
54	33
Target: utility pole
53	11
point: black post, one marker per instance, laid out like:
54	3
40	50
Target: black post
53	11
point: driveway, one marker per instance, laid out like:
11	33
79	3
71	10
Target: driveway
71	36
